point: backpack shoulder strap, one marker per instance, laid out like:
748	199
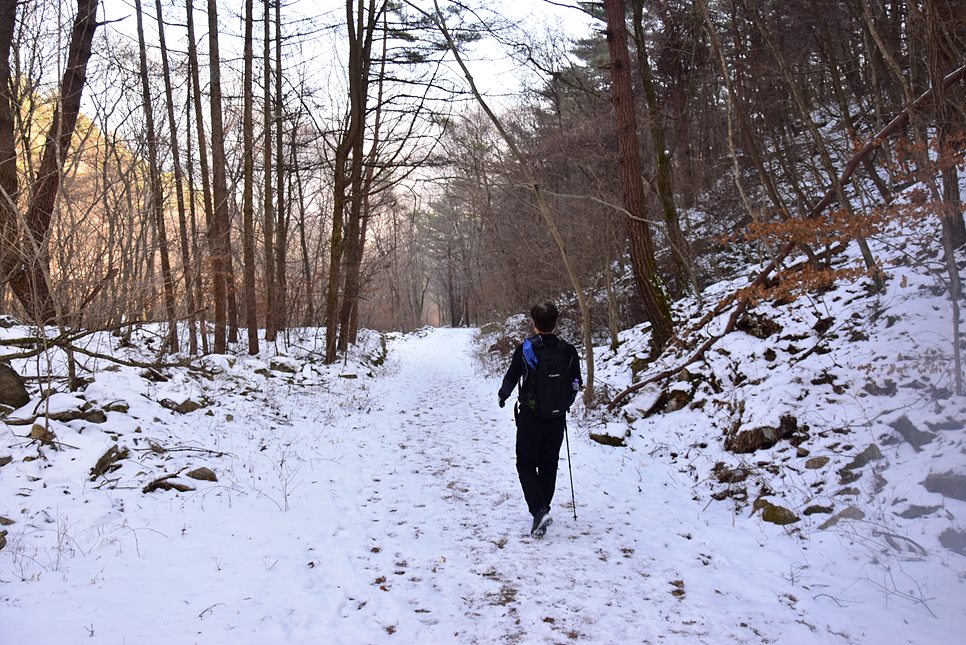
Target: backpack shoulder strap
529	355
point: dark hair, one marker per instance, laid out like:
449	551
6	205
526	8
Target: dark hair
544	317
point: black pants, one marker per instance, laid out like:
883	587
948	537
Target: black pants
538	450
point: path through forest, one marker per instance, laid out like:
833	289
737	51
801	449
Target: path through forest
390	511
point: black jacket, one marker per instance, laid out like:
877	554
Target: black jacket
516	375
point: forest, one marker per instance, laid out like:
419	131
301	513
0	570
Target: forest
338	169
282	225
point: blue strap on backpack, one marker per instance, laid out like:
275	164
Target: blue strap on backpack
529	356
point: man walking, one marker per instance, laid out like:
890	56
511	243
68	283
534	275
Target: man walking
546	372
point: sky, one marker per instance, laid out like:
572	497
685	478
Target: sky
496	73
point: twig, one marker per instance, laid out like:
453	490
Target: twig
206	610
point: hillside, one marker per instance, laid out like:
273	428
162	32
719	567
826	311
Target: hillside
803	483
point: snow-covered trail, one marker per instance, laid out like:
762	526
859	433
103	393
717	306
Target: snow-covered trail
445	556
400	519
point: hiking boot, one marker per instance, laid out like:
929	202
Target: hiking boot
541	520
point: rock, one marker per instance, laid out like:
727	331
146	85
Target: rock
202	474
871	453
888	388
775	514
95	416
758	325
727	475
3	539
185	407
770	354
43	435
817	508
669	401
954	540
801	452
13	390
5	460
851	490
847	476
850	513
816	462
913	435
284	364
153	375
108	461
764	437
608	440
117	406
948	424
823	325
638	365
349	376
915	512
949	484
6	521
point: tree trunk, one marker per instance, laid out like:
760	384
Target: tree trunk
268	216
30	284
157	192
680	249
202	158
196	273
649	283
9	211
218	226
283	213
178	183
248	209
309	319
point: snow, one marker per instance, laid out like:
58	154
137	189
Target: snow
377	500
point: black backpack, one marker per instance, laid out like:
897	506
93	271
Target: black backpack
548	390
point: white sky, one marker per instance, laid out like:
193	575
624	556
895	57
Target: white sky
494	71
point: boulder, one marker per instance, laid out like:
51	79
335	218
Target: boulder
95	416
185	407
727	475
756	439
284	364
202	474
6	521
954	540
850	513
817	508
775	514
914	512
43	435
607	440
13	390
6	459
758	325
913	436
816	462
949	484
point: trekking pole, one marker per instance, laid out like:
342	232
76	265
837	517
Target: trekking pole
571	470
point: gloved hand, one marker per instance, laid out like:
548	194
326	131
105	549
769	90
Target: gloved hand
502	402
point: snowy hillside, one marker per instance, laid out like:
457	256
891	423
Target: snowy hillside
377	500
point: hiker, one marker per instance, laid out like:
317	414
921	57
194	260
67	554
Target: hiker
546	370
